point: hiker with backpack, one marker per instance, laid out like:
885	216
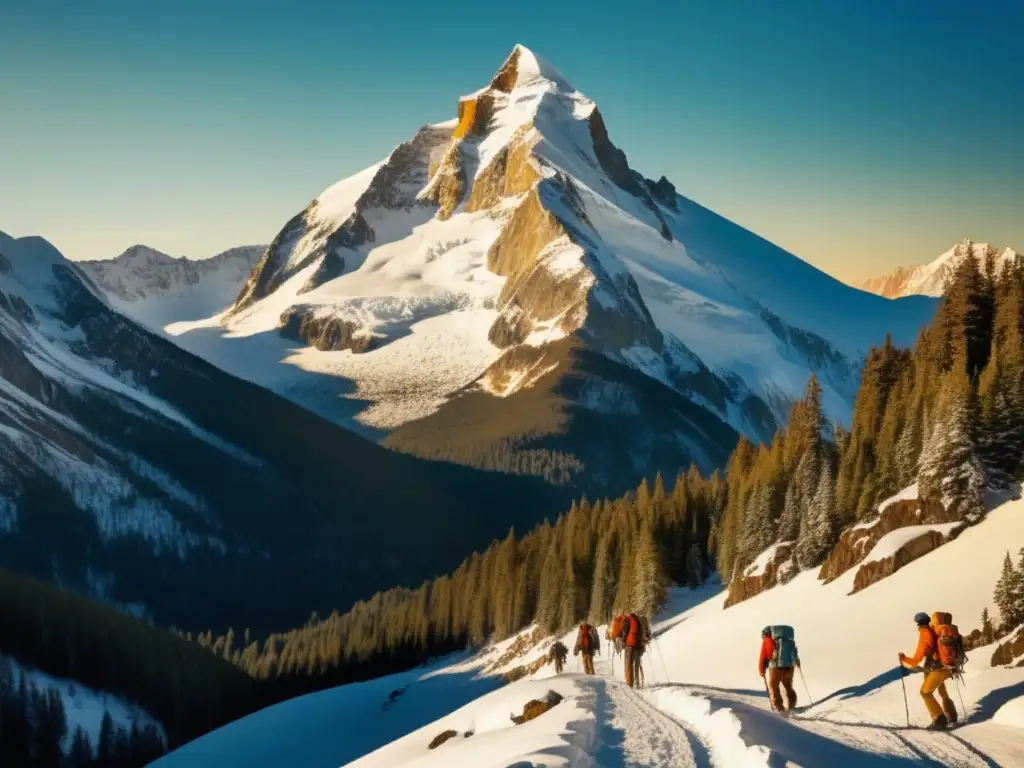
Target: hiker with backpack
557	656
940	648
779	655
635	633
587	644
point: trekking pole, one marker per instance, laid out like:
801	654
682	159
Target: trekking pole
903	681
809	697
960	696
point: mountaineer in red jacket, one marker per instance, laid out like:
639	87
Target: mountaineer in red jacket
779	667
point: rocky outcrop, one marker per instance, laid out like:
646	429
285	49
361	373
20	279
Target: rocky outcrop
448	182
537	707
325	332
876	570
510	173
506	77
268	273
1010	652
856	543
776	570
399	180
441	738
613	161
664	192
474	114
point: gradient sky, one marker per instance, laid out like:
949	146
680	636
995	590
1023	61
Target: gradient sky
859	135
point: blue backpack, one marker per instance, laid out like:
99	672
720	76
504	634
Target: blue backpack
786	654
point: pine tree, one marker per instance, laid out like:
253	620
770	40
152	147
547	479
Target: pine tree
819	528
108	739
988	632
1016	592
1003	596
759	531
569	602
602	591
80	754
549	600
650	588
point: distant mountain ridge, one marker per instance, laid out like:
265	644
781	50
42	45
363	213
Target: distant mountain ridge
932	278
135	472
157	289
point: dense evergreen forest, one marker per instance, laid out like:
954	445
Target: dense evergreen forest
69	636
948	414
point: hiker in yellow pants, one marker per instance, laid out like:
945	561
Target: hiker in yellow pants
935	676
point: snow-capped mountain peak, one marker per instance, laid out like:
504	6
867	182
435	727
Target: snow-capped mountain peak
931	279
490	255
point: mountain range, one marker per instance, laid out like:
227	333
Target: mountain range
133	471
505	291
932	278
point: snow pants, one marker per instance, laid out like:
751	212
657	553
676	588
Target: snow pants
633	673
936	681
781	676
588	662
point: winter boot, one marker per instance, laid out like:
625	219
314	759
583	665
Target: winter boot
938	724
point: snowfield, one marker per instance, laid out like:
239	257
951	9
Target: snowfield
703	705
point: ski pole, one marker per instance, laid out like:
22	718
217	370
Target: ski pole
809	697
903	681
960	696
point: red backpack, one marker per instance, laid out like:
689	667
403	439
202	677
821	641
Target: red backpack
949	645
583	639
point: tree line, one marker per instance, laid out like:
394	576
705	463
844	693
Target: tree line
34	731
70	636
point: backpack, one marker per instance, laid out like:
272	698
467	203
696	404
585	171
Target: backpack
785	654
615	627
584	637
949	646
638	632
595	641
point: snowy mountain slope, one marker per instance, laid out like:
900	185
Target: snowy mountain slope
932	278
466	262
704	704
136	472
156	289
84	707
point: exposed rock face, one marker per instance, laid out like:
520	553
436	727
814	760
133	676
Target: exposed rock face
269	273
505	79
1010	651
327	333
474	113
403	175
512	172
876	570
778	567
857	542
448	183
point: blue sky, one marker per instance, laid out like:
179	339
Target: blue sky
859	134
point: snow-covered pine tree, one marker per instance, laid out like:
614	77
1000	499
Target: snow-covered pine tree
1017	592
694	566
1003	595
819	526
950	469
569	604
759	532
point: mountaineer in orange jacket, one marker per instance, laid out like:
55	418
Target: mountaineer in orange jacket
935	675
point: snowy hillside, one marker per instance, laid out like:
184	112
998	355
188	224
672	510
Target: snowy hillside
931	279
83	707
156	289
704	704
135	472
513	249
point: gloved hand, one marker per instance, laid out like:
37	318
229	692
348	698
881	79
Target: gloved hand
903	658
798	663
